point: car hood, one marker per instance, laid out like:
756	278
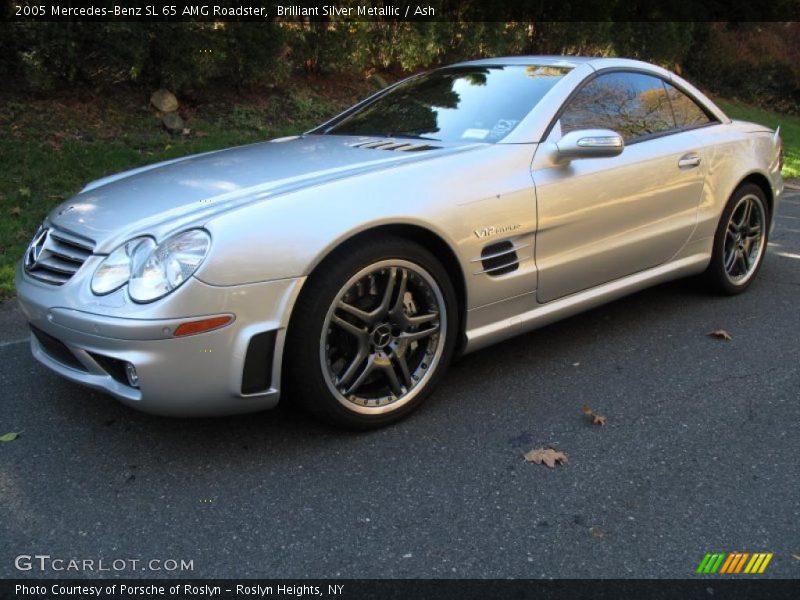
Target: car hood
162	197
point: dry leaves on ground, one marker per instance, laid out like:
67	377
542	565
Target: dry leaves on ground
548	456
16	211
597	532
9	437
596	419
720	334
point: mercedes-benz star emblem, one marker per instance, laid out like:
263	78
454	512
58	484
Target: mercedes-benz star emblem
35	249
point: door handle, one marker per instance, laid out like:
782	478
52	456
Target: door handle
689	161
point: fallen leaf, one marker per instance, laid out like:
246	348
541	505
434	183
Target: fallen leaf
200	134
24	192
186	131
9	437
720	334
16	211
596	419
796	556
548	456
597	532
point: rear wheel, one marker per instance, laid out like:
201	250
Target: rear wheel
740	242
372	333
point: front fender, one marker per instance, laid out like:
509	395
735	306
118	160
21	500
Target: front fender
452	196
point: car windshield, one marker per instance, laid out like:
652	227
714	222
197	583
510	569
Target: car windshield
455	104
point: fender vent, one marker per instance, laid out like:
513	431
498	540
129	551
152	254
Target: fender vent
499	258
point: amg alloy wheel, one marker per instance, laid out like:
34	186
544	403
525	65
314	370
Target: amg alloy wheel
745	238
374	328
381	336
740	242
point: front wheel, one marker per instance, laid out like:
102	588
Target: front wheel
371	334
740	242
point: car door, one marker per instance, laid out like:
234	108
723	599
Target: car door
601	219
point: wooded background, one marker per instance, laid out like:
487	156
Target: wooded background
758	63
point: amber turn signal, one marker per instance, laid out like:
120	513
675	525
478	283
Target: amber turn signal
202	325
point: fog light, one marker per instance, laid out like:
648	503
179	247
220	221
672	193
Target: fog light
133	376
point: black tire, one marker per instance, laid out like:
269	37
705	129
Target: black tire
717	277
310	384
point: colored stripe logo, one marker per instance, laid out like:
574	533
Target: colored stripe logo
734	562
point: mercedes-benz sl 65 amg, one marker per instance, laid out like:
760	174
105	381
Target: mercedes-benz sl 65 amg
349	264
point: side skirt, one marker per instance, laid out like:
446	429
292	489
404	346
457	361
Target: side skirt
556	310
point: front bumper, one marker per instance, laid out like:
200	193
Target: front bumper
196	375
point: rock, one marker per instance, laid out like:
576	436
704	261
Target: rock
164	100
172	122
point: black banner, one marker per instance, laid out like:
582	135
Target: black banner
398	10
484	589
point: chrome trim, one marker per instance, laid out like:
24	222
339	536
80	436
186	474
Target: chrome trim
505	265
513	248
54	255
73	239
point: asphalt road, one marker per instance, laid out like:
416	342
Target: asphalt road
699	454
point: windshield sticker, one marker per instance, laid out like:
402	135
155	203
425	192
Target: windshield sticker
475	134
503	126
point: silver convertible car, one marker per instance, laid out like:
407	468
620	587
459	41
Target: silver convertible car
348	265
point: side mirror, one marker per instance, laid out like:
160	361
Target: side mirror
590	143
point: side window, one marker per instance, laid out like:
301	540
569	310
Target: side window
632	104
687	112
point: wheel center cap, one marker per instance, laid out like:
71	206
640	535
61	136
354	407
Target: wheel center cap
381	335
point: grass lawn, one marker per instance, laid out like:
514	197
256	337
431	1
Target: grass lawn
51	147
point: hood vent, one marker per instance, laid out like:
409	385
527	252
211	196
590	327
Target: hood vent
394	145
499	258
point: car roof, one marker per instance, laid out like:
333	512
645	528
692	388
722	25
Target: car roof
543	60
596	62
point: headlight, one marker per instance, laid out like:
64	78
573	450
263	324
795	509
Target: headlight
168	265
116	269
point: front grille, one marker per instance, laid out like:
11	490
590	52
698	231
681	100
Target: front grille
55	256
56	349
